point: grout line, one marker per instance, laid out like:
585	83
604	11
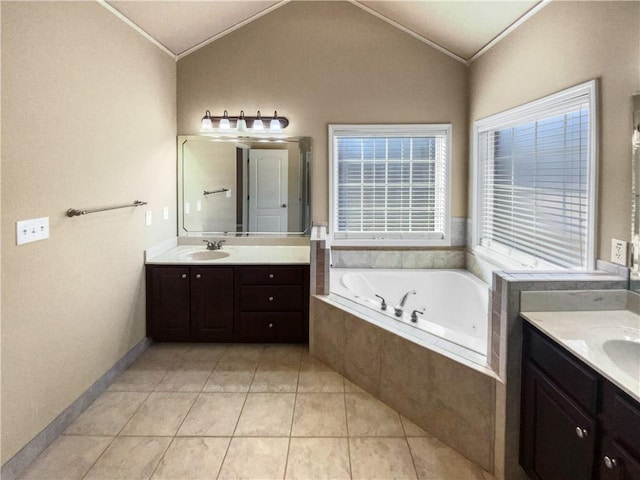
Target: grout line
162	456
346	420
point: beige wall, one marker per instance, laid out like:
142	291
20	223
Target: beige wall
565	44
88	119
327	62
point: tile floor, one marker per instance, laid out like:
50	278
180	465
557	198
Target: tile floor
243	411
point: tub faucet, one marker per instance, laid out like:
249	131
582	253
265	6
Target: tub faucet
398	308
383	304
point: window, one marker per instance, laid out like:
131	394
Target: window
390	184
535	182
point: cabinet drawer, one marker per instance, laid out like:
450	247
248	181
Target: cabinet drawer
271	299
271	327
580	382
270	275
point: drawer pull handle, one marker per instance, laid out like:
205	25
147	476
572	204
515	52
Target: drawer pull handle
581	432
271	325
271	275
184	275
198	275
271	299
610	463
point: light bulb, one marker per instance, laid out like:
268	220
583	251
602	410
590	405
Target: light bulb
224	122
242	123
275	126
257	124
207	125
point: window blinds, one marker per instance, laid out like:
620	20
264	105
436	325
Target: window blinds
534	186
390	186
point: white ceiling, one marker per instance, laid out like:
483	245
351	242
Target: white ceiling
461	28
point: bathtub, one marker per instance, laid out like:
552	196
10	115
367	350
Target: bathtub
454	302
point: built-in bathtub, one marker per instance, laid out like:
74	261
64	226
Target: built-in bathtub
452	306
433	371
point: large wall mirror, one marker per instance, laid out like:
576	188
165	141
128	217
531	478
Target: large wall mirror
243	186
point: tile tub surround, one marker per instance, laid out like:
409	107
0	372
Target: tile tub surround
320	261
318	426
395	257
451	401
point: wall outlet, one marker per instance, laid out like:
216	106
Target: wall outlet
148	217
165	213
619	252
28	231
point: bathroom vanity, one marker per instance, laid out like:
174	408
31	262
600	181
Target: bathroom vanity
238	294
580	405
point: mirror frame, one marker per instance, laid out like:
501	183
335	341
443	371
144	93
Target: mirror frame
182	139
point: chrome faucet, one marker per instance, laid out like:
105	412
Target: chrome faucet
398	308
383	304
214	245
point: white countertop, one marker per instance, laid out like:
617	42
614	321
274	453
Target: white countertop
237	254
595	337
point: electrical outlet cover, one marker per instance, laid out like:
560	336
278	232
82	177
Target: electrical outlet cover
619	249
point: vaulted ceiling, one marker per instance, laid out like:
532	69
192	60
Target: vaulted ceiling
462	29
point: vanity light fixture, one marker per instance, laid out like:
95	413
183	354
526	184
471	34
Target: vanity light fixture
242	125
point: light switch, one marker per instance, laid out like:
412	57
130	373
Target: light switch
165	213
187	208
148	217
28	231
198	205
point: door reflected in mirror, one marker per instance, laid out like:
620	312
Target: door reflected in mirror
243	186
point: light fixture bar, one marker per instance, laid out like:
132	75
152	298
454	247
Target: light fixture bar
258	123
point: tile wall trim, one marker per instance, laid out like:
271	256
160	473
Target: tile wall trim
19	462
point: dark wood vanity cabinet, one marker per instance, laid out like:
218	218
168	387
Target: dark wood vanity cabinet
228	303
190	304
575	425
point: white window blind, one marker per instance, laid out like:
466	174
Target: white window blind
535	181
390	183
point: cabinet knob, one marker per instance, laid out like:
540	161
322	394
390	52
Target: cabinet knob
271	325
610	463
271	275
198	275
581	432
184	275
271	299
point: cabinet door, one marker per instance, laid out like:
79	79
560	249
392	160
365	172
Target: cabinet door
557	438
616	463
211	304
168	303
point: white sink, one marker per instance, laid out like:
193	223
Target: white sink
625	354
203	255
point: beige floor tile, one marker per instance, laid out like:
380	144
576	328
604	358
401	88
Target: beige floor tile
283	353
435	461
275	377
310	363
134	380
411	429
198	458
201	357
68	457
160	415
318	458
266	415
243	353
320	381
129	458
369	417
183	381
161	356
350	387
255	458
381	458
487	476
319	415
231	376
108	414
214	415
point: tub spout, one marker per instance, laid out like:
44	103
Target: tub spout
398	309
383	304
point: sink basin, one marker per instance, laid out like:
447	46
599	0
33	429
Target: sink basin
625	354
203	255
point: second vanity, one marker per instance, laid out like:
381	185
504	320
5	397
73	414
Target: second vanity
240	293
580	405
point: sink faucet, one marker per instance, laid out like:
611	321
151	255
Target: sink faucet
398	308
214	245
